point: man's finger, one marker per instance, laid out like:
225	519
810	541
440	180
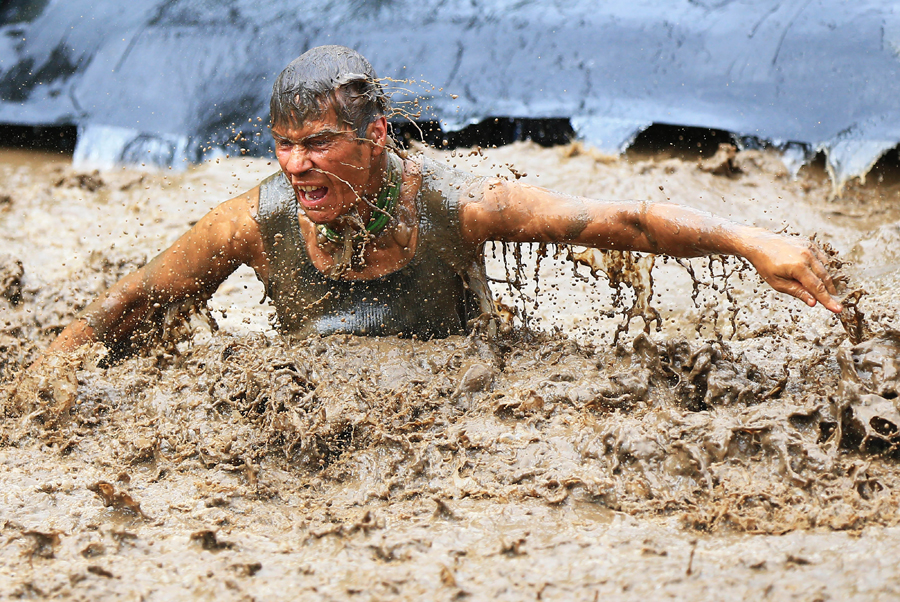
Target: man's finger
821	255
821	269
815	286
792	288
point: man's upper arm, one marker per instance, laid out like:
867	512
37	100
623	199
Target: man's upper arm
516	212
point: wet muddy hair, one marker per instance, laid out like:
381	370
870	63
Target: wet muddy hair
328	76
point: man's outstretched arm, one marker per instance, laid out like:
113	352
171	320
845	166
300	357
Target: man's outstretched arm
515	212
194	266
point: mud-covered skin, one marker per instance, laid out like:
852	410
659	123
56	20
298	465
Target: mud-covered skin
544	465
228	236
512	211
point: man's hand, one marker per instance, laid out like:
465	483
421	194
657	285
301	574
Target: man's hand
792	266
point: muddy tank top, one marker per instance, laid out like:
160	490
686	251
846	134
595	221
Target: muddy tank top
433	296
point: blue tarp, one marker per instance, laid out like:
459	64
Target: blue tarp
161	80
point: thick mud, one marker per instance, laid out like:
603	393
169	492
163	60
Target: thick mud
641	427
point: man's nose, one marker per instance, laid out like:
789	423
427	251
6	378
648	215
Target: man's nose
299	161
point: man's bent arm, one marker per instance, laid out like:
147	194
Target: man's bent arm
515	212
194	266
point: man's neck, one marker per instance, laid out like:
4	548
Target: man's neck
377	181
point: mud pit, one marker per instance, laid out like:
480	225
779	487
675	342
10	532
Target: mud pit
722	455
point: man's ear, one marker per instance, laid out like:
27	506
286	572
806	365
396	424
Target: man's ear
377	133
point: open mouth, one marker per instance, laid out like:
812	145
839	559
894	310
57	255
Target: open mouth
311	196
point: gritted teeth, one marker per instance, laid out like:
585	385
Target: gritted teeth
308	188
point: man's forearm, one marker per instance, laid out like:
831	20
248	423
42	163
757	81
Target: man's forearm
108	319
76	334
684	232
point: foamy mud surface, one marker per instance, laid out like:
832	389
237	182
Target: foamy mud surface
743	447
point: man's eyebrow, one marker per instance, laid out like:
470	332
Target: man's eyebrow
321	133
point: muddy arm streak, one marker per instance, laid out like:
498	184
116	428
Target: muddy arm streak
645	207
513	212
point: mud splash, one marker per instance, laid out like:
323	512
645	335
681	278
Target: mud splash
650	429
705	453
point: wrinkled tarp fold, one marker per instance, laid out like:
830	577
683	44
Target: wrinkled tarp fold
168	80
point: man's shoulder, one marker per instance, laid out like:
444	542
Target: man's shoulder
448	180
237	210
276	182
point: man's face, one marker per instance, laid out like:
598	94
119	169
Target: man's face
327	165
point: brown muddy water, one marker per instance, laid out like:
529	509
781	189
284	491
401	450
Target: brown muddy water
741	448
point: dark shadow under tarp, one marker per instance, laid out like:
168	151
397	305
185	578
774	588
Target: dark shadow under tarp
167	81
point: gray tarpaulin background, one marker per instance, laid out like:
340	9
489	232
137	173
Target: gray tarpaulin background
158	80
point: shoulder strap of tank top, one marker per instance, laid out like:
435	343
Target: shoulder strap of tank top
443	188
277	219
441	192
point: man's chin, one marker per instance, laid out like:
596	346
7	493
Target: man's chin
319	217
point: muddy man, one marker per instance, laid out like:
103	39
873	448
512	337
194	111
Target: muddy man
351	238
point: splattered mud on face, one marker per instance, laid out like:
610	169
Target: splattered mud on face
232	462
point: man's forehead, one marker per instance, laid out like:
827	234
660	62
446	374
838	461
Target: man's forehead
322	125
